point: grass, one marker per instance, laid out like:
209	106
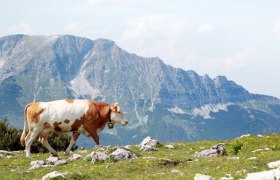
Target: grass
158	164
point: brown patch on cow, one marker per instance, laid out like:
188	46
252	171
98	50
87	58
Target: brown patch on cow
46	125
66	121
33	111
78	123
69	100
56	126
75	136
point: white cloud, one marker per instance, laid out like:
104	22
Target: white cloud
205	28
241	59
155	35
99	2
277	30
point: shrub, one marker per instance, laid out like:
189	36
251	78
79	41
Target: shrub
10	140
236	147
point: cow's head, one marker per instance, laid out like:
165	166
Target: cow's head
116	116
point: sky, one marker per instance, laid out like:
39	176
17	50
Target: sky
239	39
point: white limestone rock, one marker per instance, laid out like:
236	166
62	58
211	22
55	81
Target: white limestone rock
148	144
54	174
264	175
274	164
203	177
75	157
122	154
97	156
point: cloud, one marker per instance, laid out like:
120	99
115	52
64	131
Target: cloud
155	35
99	2
277	30
205	28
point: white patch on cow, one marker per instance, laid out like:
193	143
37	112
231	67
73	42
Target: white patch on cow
176	110
118	118
205	110
82	87
59	111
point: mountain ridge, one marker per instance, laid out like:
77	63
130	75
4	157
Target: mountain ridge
156	96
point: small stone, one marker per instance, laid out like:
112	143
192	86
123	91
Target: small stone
75	157
6	153
54	174
35	166
265	175
52	160
121	154
233	158
259	135
60	162
169	146
267	149
203	177
252	158
274	164
257	150
2	156
245	135
97	156
175	171
37	162
127	146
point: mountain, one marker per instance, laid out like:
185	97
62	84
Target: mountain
168	103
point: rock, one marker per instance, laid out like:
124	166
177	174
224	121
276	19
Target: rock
203	177
233	158
175	171
54	174
214	151
2	156
257	150
245	135
75	157
267	149
52	160
264	175
40	162
121	154
6	153
259	135
60	162
83	151
169	146
274	164
252	158
97	156
36	164
148	144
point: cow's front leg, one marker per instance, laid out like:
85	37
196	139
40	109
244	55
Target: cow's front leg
73	141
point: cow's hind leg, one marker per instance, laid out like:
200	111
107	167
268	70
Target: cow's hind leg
72	142
44	140
31	136
93	134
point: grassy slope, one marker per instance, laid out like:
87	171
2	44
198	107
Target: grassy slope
154	168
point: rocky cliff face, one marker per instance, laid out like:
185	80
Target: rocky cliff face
168	103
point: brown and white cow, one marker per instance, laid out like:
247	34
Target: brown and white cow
79	116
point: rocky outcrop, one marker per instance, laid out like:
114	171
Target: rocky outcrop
214	151
122	154
148	144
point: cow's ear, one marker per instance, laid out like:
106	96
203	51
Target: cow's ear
114	107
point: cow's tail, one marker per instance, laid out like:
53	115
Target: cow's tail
23	135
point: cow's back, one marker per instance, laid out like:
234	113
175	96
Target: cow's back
61	110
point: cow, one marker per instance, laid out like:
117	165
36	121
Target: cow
70	115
